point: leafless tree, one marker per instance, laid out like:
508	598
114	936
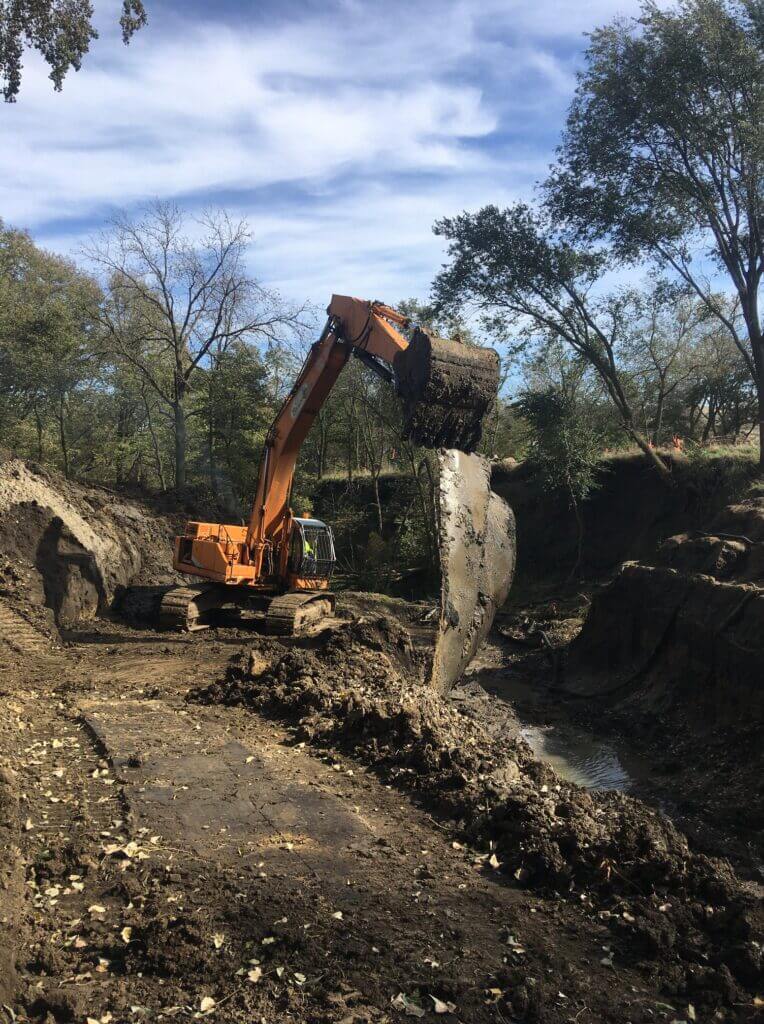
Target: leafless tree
178	292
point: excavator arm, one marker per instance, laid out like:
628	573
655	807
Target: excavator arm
445	387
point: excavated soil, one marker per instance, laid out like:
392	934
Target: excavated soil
68	551
225	825
626	863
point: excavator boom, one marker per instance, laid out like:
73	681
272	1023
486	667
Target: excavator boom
446	388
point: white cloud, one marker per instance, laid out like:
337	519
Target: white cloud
408	106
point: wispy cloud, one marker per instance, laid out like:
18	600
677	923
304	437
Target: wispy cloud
341	130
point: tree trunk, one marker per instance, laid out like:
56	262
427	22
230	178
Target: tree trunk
213	469
155	445
375	477
62	438
710	421
179	422
760	397
423	505
655	460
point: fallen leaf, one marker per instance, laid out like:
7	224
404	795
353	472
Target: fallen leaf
493	860
402	1002
207	1004
255	975
96	909
441	1007
299	978
218	939
126	934
337	915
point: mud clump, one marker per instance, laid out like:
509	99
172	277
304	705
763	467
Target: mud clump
359	690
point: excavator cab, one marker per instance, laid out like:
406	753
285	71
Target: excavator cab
311	550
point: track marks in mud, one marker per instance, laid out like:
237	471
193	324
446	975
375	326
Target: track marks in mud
20	635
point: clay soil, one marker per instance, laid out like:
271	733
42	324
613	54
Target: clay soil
186	835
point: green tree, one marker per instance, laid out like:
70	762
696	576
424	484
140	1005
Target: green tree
565	449
522	275
61	30
238	411
663	154
48	341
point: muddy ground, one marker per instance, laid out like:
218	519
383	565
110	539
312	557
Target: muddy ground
228	826
184	858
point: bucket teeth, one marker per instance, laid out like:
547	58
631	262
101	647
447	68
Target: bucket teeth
447	388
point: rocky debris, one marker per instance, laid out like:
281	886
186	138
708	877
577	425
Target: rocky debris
359	690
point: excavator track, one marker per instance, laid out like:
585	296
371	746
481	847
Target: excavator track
184	608
295	613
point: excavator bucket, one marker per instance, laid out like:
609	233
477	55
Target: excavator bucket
477	544
446	388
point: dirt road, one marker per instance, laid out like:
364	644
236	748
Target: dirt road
182	861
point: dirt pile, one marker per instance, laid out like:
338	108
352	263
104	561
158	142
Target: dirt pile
358	690
66	550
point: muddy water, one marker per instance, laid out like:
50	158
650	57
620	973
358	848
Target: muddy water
575	754
578	757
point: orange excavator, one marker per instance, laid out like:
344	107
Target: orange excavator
281	563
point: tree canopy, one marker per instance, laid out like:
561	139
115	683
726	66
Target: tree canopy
60	30
663	154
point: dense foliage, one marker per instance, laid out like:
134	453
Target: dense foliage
60	30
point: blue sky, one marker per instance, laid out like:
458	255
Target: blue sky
340	130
